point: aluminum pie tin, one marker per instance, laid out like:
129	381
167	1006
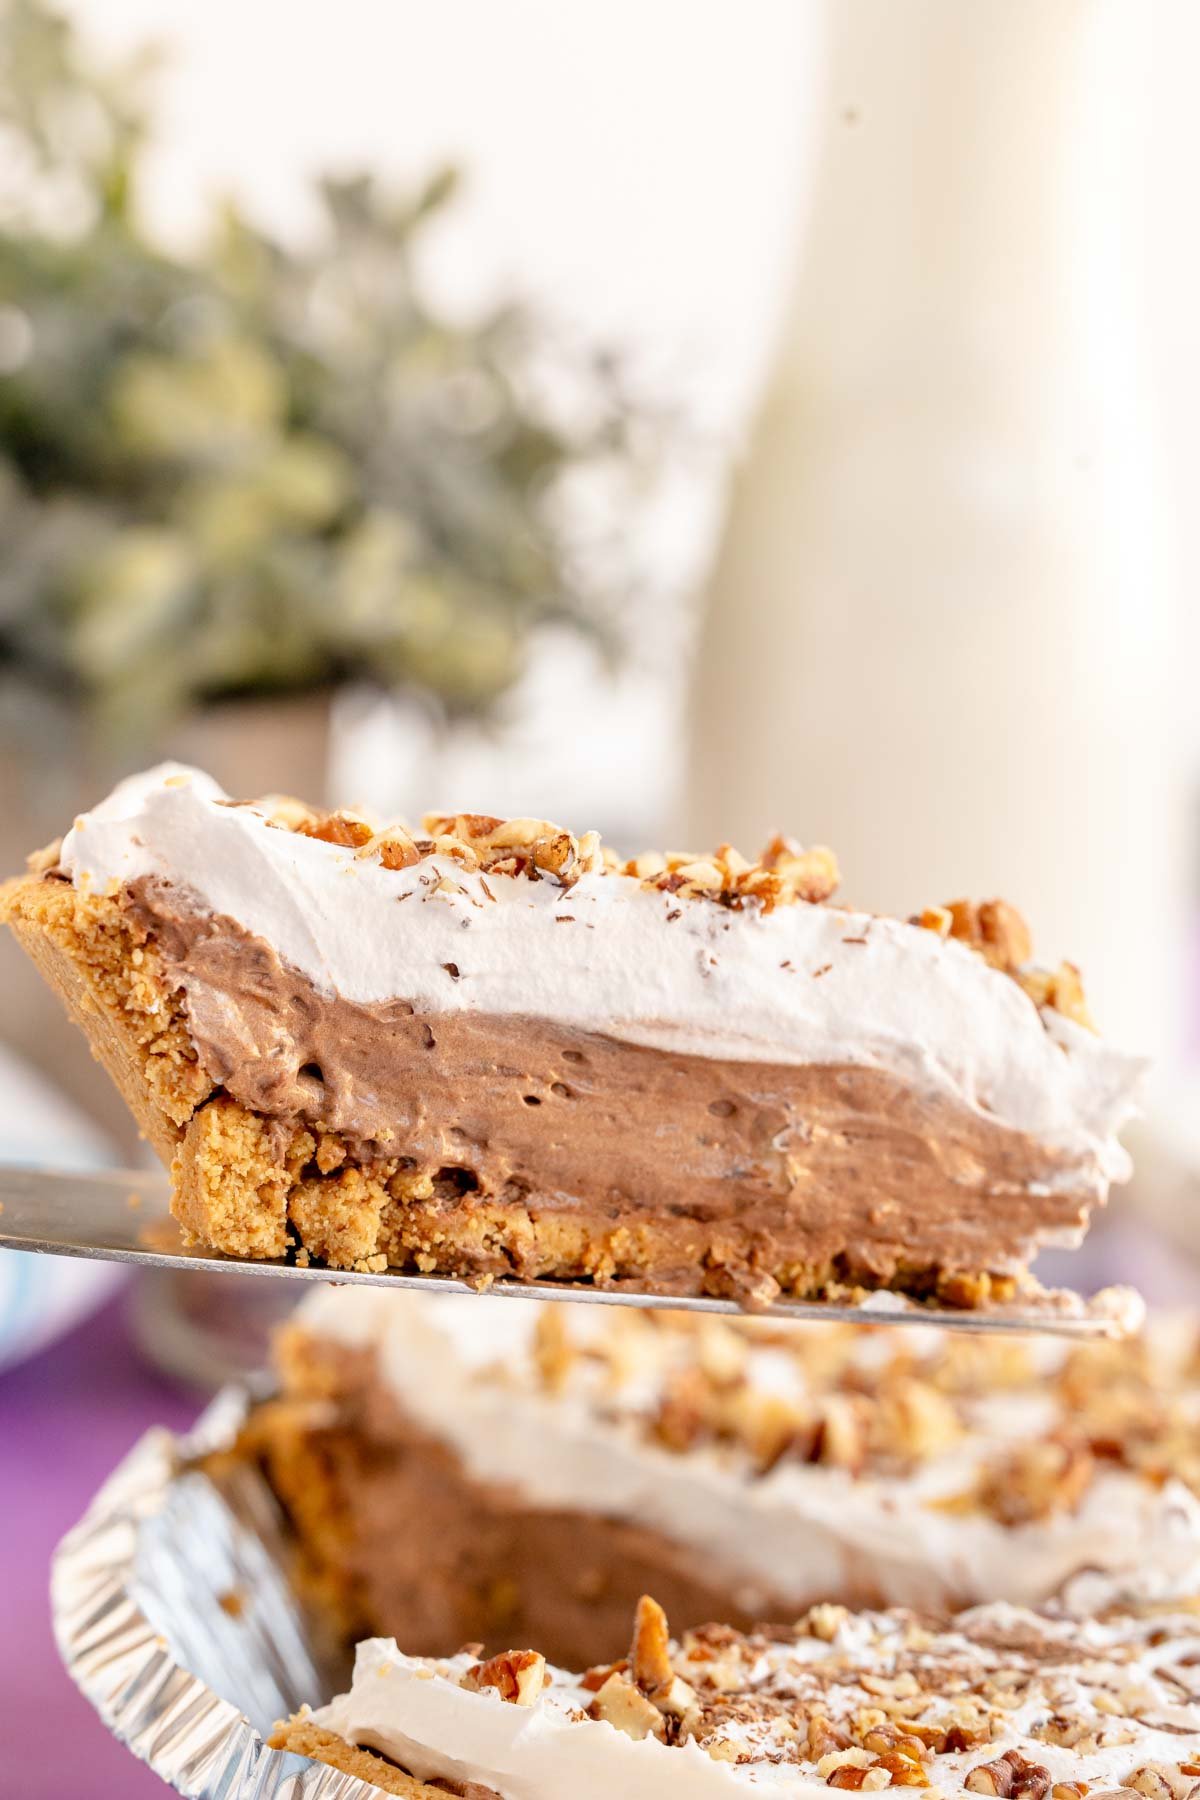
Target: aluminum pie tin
174	1617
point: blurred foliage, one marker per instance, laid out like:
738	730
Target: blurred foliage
261	468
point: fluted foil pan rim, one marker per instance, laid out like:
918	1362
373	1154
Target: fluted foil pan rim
118	1629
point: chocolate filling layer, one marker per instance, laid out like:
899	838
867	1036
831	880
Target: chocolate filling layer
396	1539
830	1164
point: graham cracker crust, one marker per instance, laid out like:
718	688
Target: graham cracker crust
303	1738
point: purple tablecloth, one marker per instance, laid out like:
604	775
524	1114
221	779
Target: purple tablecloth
66	1419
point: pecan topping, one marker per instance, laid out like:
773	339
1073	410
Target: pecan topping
1010	1777
994	930
594	1679
997	932
517	1675
344	829
784	874
1162	1781
620	1704
1036	1480
650	1653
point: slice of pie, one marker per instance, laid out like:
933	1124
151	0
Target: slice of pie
1055	1704
458	1469
491	1048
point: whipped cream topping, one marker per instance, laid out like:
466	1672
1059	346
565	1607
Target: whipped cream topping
800	984
1108	1703
461	1369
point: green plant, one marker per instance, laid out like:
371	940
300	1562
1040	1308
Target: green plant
264	468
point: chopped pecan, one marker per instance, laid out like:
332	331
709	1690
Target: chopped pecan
517	1675
396	849
1161	1781
1062	1731
914	1420
341	828
622	1705
994	929
889	1770
680	1421
811	875
1061	990
960	1737
825	1739
783	874
553	1351
1036	1480
834	1762
1011	1777
937	919
594	1679
721	1353
997	932
840	1440
824	1621
650	1652
904	1771
516	846
885	1739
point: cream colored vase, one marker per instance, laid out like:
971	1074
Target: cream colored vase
941	631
